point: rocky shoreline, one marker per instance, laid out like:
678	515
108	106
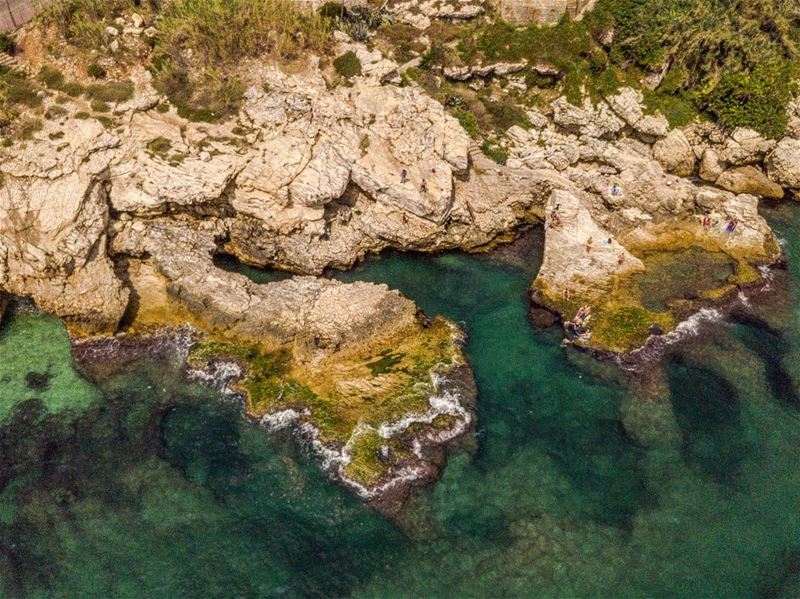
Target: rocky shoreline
111	219
412	450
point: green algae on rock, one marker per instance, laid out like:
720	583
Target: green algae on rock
645	280
377	415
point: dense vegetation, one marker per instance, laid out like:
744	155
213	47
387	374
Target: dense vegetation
737	59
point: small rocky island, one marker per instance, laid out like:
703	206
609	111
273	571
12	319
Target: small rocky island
123	178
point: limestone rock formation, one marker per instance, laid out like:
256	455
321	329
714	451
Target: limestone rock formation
580	254
750	180
783	164
617	199
675	154
53	221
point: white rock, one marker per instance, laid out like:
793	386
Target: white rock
783	164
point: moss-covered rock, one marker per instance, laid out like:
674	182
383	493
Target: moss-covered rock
367	408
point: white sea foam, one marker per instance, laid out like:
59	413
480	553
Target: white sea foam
743	299
282	420
691	327
217	375
768	274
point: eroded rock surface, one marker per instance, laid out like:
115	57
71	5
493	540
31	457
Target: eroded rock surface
113	225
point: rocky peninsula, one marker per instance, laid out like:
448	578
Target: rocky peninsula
114	202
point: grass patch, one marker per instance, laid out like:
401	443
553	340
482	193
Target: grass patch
100	106
16	89
209	98
468	122
95	71
223	32
112	92
55	112
82	23
160	147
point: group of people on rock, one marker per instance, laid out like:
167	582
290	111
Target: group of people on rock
423	186
577	329
730	228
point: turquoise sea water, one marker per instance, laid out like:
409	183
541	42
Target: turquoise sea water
581	481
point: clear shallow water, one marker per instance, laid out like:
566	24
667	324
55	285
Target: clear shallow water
581	482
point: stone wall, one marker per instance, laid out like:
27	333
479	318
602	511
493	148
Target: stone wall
542	12
15	13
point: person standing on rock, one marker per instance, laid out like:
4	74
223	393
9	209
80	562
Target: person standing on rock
423	188
403	176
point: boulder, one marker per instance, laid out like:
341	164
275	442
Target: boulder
627	104
745	146
675	154
749	180
783	164
710	167
652	126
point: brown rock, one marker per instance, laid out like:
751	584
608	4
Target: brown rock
675	154
749	180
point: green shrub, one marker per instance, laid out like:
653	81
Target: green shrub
51	77
7	44
95	71
468	122
495	151
505	114
755	99
347	65
735	58
73	89
332	10
17	90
